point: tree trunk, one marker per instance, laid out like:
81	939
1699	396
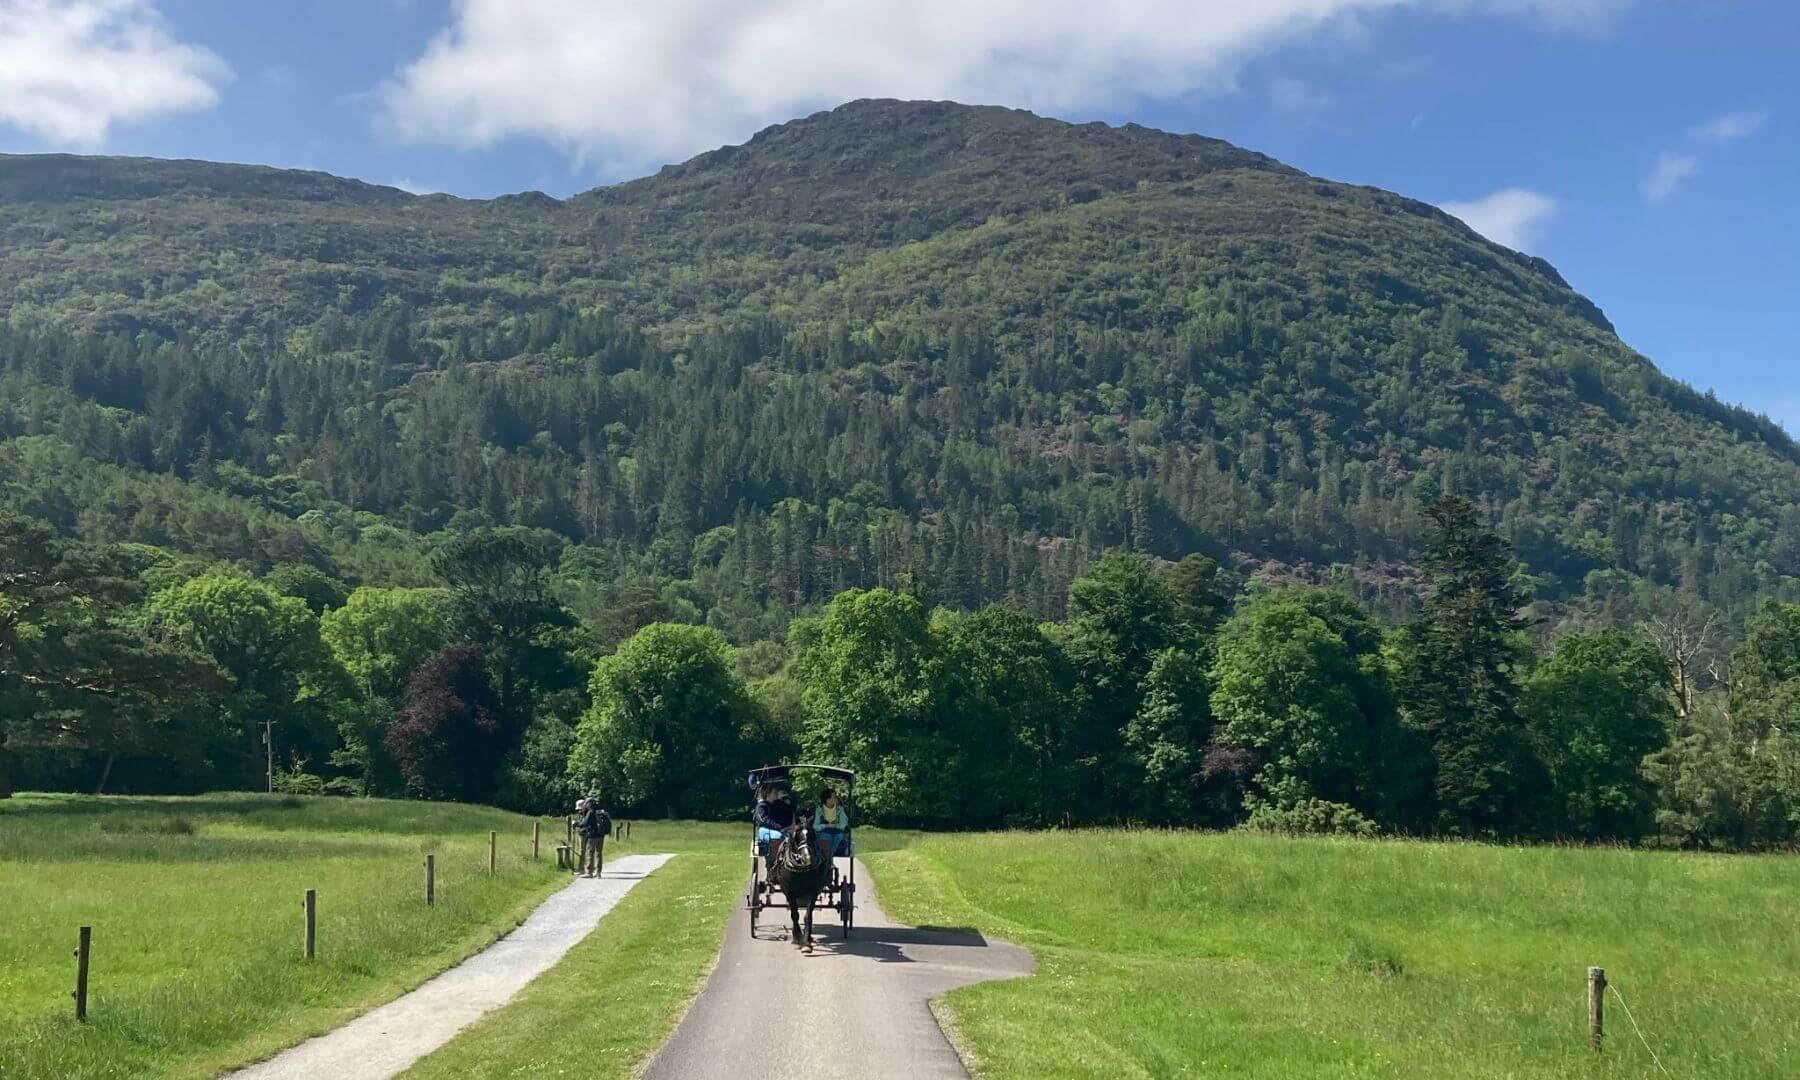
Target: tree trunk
105	774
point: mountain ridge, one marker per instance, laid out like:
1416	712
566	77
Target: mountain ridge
952	317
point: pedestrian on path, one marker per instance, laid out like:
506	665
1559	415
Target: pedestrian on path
594	823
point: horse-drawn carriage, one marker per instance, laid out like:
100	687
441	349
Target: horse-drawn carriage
793	872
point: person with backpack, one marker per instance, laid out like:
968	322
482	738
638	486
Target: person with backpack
594	823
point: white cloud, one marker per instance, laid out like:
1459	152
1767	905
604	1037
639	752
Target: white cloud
1732	126
1670	172
630	81
414	187
70	69
1514	217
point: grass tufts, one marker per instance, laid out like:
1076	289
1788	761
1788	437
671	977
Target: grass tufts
148	826
1364	957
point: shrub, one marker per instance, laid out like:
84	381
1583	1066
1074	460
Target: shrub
297	781
1309	817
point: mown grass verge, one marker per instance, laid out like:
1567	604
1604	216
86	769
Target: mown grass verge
616	996
1244	956
195	905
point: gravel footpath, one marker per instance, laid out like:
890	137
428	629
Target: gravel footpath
385	1042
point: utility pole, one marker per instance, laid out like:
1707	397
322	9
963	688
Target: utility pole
269	751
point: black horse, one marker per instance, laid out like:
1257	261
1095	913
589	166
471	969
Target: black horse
801	872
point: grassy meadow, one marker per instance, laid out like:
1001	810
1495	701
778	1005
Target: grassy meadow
1160	954
195	905
1168	954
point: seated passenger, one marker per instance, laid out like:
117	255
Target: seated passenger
830	824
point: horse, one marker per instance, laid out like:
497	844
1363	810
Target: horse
801	873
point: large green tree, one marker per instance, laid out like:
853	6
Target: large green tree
1005	711
1460	671
1165	742
500	586
1596	708
1121	617
873	676
268	647
672	729
1300	680
380	636
76	672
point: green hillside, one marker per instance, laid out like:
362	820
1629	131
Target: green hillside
964	347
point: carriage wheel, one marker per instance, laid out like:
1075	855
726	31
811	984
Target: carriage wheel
754	899
847	909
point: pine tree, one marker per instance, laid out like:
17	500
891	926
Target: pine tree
1460	677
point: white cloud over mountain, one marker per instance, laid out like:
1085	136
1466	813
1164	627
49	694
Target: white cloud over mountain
630	81
1667	175
71	69
1514	217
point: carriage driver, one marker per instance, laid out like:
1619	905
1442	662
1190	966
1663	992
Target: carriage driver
774	813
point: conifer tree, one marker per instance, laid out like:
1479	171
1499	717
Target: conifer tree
1460	675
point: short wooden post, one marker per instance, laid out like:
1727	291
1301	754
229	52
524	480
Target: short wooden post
534	840
1596	998
311	904
83	938
430	879
493	838
562	856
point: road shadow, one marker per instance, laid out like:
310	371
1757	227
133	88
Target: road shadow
886	944
960	936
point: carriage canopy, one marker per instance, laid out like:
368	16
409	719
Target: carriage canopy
779	774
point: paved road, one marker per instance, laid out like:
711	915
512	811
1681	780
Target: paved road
851	1009
383	1043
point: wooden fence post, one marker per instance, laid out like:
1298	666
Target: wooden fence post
83	938
534	840
311	904
1596	997
430	879
569	829
493	838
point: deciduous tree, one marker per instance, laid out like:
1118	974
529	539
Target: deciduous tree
672	729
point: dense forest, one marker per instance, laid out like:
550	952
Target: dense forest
953	360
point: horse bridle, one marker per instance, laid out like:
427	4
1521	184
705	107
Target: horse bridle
797	857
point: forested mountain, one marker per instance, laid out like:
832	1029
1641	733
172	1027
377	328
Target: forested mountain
963	349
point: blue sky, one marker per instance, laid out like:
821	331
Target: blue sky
1648	148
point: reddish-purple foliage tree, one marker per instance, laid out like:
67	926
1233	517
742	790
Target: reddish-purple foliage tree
449	738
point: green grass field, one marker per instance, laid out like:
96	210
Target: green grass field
1159	954
195	905
1246	956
